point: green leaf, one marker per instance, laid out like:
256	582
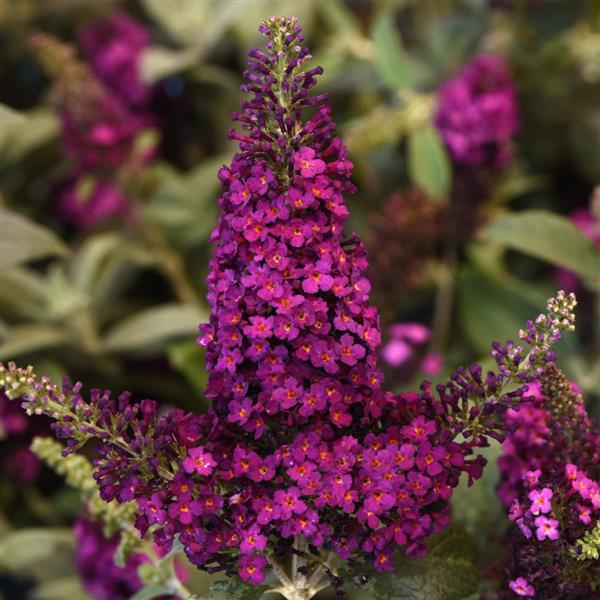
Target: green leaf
158	62
428	163
152	591
25	548
60	588
492	310
477	507
183	20
185	206
391	62
31	337
448	572
24	132
187	357
102	265
231	589
549	237
10	117
23	240
152	327
22	292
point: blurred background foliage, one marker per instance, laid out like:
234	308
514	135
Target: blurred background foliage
114	298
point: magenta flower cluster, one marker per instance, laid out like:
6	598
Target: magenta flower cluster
95	563
114	46
549	479
103	110
477	114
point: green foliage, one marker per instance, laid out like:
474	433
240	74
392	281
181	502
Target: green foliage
186	356
551	238
448	572
24	241
391	62
151	591
493	308
22	133
148	329
428	163
233	589
588	547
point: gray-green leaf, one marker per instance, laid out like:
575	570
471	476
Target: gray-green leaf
448	572
549	237
231	589
152	591
25	548
22	240
152	327
391	61
428	163
31	337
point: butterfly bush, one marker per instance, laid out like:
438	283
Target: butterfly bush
100	134
550	478
302	452
477	114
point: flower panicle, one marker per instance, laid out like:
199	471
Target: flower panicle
522	365
136	447
279	85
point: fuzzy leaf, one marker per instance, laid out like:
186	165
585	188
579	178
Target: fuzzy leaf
152	327
31	337
490	309
24	240
448	572
24	132
25	548
231	589
428	163
152	591
60	588
549	237
390	59
185	356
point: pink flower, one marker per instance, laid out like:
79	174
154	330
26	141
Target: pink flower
532	477
540	501
522	587
307	164
546	528
199	461
251	569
